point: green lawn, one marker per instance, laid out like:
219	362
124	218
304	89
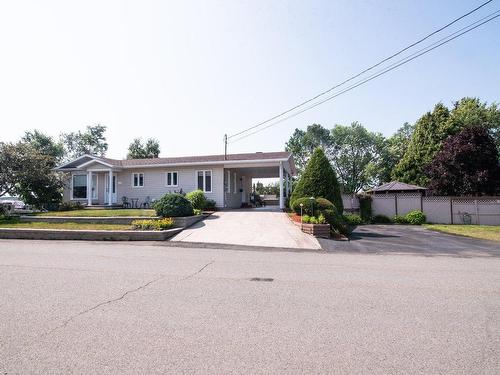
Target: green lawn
43	225
485	232
100	213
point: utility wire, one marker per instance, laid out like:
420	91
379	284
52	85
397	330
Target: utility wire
362	72
395	65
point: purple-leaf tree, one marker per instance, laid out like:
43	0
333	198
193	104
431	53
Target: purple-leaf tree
466	165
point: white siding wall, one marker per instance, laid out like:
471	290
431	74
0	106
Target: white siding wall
155	181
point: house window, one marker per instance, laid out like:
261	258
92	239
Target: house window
172	179
137	179
79	189
204	179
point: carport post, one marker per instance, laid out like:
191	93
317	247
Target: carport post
89	188
282	205
110	188
287	184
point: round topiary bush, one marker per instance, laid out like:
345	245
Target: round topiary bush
173	205
415	217
197	199
319	205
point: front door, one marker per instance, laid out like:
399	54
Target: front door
113	189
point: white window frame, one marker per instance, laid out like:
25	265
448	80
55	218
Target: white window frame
138	180
171	178
86	187
235	182
204	171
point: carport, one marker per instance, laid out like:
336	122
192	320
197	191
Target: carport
238	177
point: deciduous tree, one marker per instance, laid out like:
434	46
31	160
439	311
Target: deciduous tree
92	141
138	150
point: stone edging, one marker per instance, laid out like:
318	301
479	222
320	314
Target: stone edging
89	235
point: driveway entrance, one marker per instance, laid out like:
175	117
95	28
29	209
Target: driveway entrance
265	227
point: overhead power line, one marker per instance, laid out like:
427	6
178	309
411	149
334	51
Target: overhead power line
385	70
360	73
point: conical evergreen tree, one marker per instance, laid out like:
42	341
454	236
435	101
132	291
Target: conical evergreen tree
319	180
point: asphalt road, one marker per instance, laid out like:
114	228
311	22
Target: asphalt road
109	308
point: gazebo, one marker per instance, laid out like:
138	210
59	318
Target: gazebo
397	187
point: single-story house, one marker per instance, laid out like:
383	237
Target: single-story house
227	179
397	187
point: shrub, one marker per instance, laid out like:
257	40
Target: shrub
353	219
318	180
321	219
336	222
381	219
306	219
197	199
365	207
209	205
398	219
153	224
173	205
319	205
415	217
70	206
197	211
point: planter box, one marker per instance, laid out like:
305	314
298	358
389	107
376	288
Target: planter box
317	230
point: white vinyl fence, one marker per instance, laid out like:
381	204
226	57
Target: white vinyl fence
440	209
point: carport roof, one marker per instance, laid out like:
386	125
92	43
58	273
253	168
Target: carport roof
181	160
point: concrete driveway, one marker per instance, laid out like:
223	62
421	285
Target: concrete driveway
130	308
264	227
411	239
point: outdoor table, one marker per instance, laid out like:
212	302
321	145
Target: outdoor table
134	201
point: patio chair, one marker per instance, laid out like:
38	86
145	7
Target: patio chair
125	202
146	203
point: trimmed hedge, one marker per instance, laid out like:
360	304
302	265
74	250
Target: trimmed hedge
197	199
353	219
381	219
318	180
209	205
173	205
319	205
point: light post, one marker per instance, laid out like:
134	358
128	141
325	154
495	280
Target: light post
301	206
312	205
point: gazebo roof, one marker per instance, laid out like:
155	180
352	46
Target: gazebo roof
396	186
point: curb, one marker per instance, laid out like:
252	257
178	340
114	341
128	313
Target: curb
224	246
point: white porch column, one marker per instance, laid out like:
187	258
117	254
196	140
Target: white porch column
89	188
287	180
110	188
282	204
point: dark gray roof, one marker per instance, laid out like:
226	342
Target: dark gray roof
129	163
396	186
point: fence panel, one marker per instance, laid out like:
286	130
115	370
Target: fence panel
437	209
408	202
384	204
350	202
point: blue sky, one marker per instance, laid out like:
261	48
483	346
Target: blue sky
187	72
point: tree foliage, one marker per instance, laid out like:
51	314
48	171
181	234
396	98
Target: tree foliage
319	180
303	143
139	150
434	127
357	156
92	141
394	150
44	144
27	173
467	164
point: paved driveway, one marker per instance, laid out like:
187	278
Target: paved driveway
130	308
266	227
387	239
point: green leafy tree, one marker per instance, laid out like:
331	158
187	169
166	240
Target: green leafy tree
319	180
27	173
430	132
466	165
138	150
394	150
92	141
434	127
357	156
44	144
303	143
